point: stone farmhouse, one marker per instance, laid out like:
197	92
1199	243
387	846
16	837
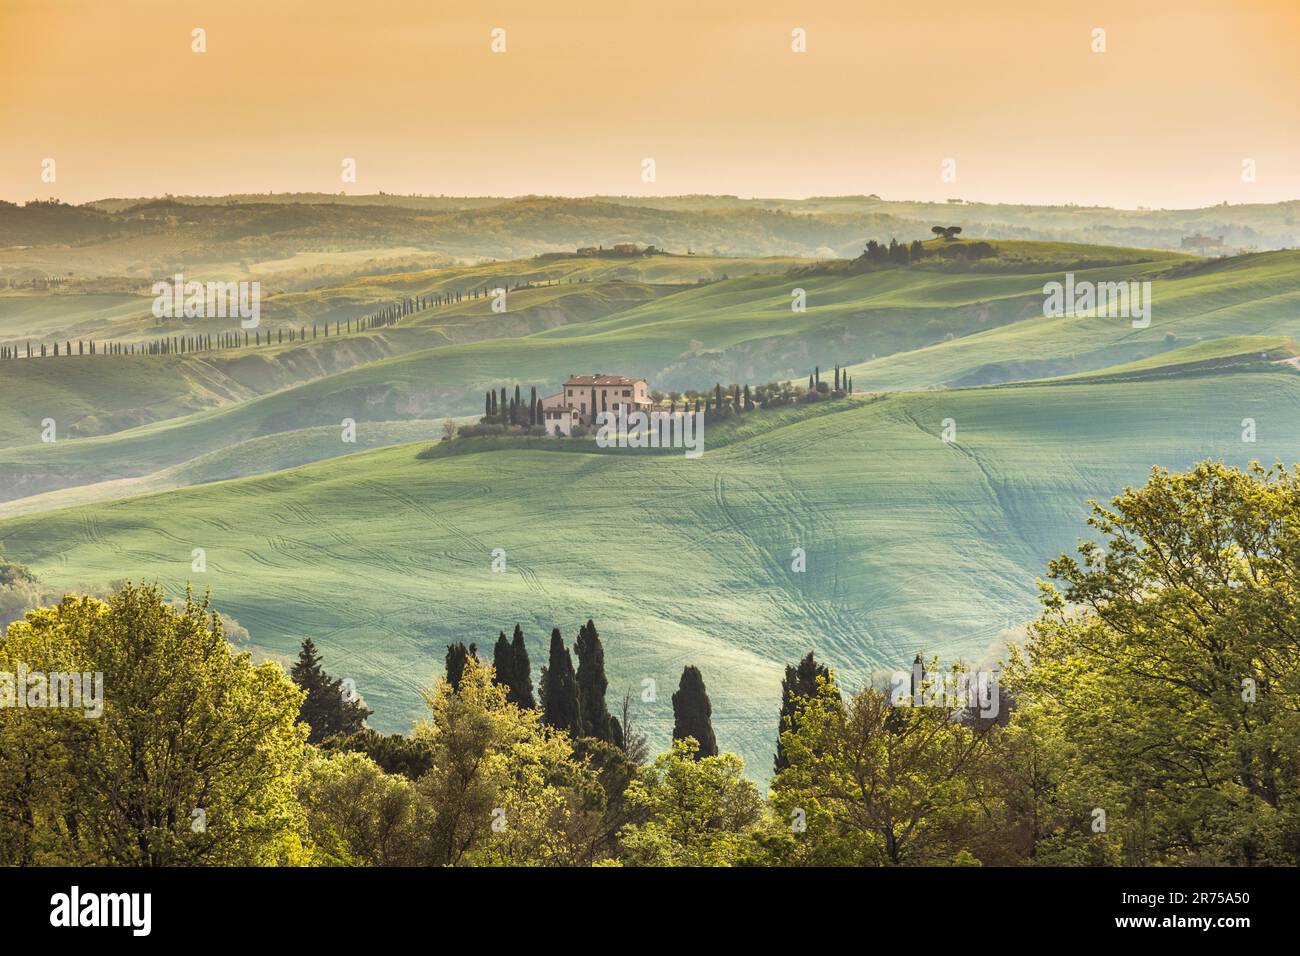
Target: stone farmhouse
582	397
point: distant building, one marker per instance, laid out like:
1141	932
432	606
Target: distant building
582	397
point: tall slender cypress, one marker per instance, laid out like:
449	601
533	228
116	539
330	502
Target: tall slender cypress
559	690
798	685
457	657
592	684
503	664
521	686
692	713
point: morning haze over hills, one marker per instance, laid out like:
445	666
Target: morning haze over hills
684	435
928	495
143	237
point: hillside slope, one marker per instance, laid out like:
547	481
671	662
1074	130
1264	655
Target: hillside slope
1247	295
913	544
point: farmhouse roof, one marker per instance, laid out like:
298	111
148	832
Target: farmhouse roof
599	379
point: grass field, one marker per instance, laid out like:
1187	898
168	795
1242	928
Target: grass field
913	544
250	457
1250	295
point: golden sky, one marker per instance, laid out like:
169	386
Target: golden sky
1185	91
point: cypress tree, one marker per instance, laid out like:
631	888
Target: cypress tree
503	663
592	684
559	690
692	712
327	710
521	687
799	684
457	657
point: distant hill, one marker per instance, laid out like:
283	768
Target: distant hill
152	236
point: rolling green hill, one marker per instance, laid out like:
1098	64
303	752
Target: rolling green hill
1210	355
740	328
1248	295
250	457
928	324
94	395
913	544
45	317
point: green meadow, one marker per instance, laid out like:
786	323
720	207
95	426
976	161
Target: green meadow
1191	302
913	544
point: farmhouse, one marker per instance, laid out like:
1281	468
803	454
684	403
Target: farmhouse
583	396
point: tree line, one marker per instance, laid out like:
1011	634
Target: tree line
386	316
206	342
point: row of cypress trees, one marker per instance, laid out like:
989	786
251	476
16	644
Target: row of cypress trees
573	699
382	317
512	411
843	381
206	342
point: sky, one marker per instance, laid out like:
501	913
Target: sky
1185	95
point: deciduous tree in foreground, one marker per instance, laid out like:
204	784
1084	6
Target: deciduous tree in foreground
191	761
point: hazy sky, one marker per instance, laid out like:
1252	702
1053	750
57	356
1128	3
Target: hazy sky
709	89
